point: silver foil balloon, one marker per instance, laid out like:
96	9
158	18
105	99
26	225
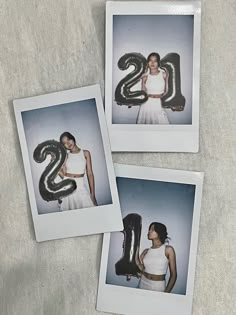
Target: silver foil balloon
123	93
49	190
173	98
127	265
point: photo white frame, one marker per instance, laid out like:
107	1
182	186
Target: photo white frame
153	138
137	301
74	222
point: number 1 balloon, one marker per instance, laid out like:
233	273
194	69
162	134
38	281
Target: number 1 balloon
48	189
123	93
173	98
127	266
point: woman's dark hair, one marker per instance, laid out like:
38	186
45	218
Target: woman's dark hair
153	54
161	230
68	135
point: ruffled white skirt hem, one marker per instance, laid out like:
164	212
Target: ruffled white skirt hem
79	199
151	112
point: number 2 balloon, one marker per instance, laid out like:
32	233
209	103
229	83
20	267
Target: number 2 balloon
49	190
123	93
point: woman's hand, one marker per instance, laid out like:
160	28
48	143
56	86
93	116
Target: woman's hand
94	200
139	274
177	108
53	156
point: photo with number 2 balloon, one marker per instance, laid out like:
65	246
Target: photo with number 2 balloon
67	157
68	163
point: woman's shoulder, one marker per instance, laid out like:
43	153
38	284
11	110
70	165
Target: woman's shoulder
86	152
169	249
163	72
144	76
144	252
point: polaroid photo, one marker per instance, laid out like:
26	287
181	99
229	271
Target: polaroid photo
152	75
68	163
149	267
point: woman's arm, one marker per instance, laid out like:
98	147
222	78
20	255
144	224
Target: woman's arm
90	176
165	77
62	171
170	254
139	260
144	80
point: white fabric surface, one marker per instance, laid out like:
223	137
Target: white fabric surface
50	46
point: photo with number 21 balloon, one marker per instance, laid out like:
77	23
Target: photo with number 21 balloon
152	69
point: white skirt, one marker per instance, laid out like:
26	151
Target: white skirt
147	284
151	112
80	198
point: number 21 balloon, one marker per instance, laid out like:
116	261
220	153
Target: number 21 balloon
170	63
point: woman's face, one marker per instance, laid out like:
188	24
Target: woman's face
68	143
152	63
152	234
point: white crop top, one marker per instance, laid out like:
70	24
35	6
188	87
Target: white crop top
155	84
76	163
155	261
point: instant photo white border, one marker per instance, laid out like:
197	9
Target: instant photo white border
132	301
153	138
78	222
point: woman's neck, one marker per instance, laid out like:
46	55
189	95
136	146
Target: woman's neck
75	149
156	243
154	71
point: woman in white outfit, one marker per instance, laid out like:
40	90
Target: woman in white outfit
154	83
78	162
154	262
